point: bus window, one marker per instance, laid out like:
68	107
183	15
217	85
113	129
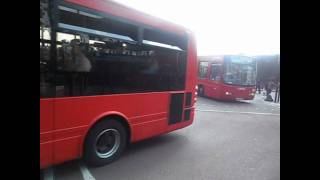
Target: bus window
215	71
203	69
240	71
46	73
96	59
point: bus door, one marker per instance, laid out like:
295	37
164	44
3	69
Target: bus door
214	79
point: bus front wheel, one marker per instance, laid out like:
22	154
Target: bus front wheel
201	91
105	143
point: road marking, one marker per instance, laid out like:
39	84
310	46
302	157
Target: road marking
85	172
48	174
256	113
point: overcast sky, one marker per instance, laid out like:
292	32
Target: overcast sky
249	27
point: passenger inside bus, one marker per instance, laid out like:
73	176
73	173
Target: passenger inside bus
90	65
75	65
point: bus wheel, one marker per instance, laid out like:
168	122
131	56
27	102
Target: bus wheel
201	91
104	143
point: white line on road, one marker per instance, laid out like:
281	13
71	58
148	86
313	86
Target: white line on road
48	174
256	113
85	172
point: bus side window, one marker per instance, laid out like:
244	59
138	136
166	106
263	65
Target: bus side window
46	73
215	71
203	69
115	59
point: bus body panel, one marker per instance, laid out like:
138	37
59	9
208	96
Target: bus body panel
212	89
218	90
46	131
147	117
192	65
74	116
237	93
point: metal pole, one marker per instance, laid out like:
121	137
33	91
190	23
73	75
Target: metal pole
276	94
42	35
278	83
279	94
42	41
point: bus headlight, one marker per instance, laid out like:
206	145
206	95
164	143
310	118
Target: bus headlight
228	93
196	87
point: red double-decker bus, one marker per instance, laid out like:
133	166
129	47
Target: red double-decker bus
229	77
109	76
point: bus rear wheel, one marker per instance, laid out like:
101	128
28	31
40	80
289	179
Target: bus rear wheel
105	143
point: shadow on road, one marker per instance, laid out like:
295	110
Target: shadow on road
154	142
232	102
70	168
141	158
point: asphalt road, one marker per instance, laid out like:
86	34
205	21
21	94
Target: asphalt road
228	141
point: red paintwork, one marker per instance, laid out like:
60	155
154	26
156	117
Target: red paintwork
46	132
64	122
218	89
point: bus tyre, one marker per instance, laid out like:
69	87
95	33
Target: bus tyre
201	91
104	143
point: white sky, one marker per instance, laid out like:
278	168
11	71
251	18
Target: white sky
249	27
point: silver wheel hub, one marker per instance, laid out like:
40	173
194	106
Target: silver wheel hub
107	143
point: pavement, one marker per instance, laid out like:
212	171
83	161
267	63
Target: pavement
227	141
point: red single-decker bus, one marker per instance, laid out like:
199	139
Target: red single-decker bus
109	76
229	77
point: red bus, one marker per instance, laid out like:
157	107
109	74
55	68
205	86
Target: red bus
109	76
227	77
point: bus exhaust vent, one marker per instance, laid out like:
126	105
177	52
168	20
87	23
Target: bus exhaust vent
176	108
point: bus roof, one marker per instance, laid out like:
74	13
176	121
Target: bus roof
119	10
211	58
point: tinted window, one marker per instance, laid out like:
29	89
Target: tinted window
240	70
203	69
46	70
97	56
215	71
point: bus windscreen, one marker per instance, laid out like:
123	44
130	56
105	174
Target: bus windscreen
240	70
